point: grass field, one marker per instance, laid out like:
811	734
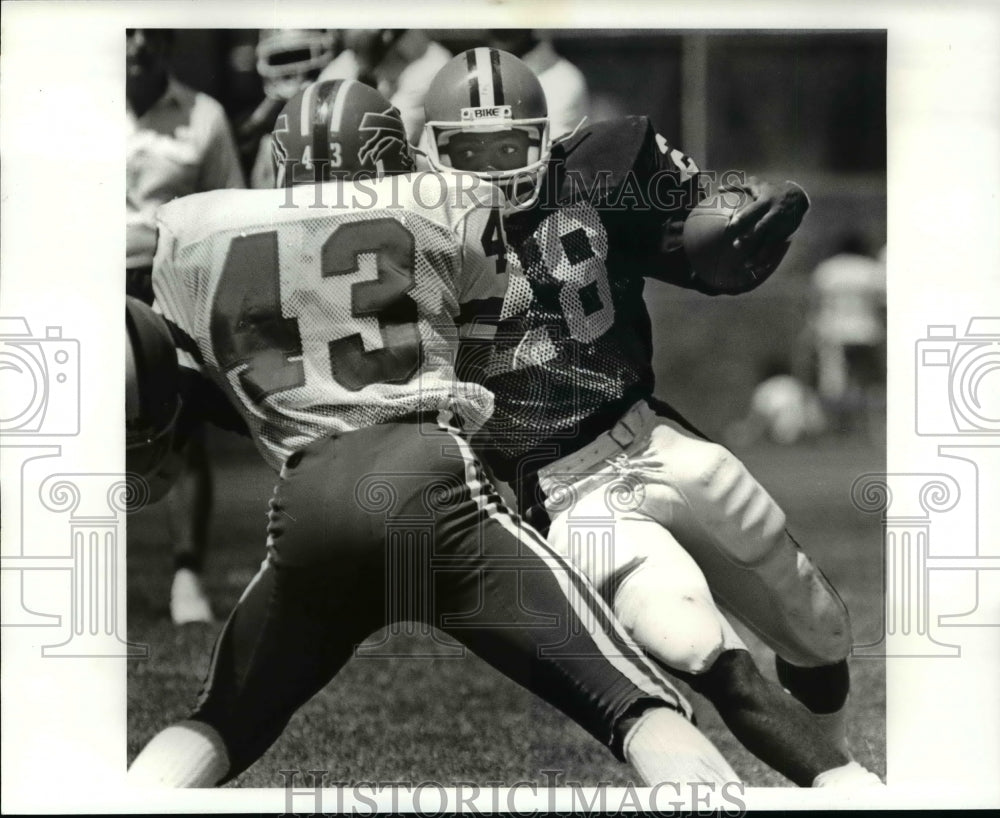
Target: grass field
448	720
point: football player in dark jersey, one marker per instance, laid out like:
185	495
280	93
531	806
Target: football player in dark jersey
333	331
636	496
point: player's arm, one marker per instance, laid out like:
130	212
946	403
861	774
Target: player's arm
671	185
768	216
760	233
201	397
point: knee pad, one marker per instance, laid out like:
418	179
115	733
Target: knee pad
681	628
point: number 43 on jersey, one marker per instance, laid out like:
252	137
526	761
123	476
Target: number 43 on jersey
249	330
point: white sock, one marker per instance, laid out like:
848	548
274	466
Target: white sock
665	746
850	775
186	754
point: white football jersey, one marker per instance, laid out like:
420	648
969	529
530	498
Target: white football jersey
328	308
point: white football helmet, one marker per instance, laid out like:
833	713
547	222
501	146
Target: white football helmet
287	58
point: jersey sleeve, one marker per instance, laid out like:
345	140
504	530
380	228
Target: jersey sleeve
201	397
483	278
675	186
670	178
170	298
645	186
481	287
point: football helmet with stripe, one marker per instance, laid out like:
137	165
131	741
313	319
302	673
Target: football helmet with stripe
491	94
152	403
338	129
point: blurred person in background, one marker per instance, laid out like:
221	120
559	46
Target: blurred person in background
398	63
177	142
287	59
849	328
563	83
783	409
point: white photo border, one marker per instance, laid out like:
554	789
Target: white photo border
62	102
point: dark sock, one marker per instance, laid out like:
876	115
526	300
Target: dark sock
190	561
822	689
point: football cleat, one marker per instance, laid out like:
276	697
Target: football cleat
152	404
338	129
287	58
851	776
485	91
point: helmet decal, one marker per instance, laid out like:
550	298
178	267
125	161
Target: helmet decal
338	129
384	138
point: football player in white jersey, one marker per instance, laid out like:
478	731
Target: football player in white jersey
333	329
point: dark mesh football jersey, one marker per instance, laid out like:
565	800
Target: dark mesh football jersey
573	348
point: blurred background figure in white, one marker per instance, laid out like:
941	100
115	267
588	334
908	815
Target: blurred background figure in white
783	409
287	59
564	84
399	63
177	142
849	326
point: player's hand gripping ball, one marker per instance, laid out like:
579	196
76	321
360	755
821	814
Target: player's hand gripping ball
709	241
735	239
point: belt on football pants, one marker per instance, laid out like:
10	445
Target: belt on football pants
635	424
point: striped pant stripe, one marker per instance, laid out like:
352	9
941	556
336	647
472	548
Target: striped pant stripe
588	606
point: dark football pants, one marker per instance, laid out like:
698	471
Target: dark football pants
398	522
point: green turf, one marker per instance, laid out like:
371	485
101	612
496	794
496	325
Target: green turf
450	720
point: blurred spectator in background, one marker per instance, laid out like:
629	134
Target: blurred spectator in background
563	83
849	327
400	63
287	59
783	408
177	142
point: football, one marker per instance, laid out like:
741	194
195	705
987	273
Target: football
708	242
